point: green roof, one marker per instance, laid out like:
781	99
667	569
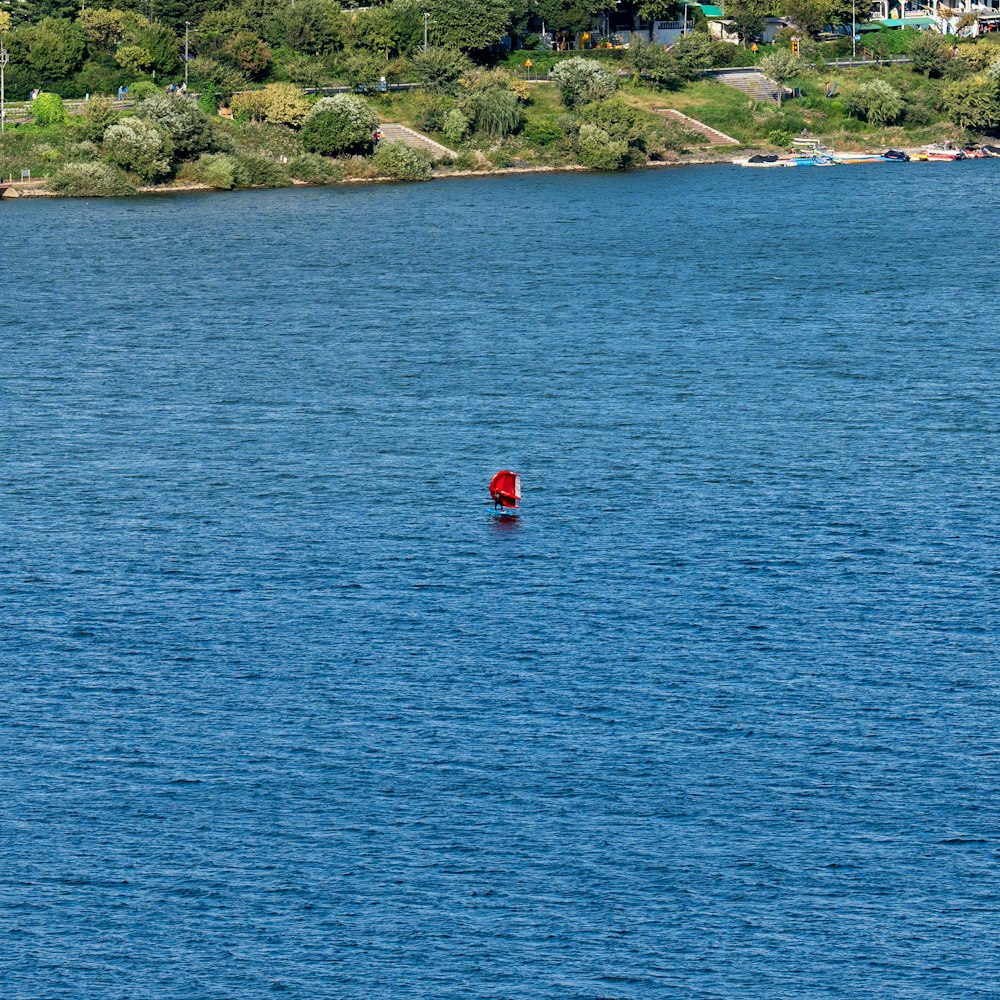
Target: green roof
709	10
910	22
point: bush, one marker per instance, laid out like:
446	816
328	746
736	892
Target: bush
181	119
582	81
277	103
48	109
598	150
142	89
400	162
340	125
255	170
495	113
139	146
877	102
99	115
91	180
217	170
542	132
313	169
439	69
622	124
456	124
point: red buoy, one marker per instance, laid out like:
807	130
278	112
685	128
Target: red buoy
505	488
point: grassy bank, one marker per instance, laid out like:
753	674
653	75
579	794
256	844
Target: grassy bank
600	114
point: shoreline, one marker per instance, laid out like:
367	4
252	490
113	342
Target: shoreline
37	189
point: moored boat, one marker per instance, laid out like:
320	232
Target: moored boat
945	153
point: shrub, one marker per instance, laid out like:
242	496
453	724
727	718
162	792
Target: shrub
780	66
99	115
542	132
779	137
138	145
181	119
877	102
48	109
693	53
622	124
439	69
277	103
400	162
581	81
429	111
255	170
495	113
456	124
91	180
313	169
598	150
340	124
217	170
142	89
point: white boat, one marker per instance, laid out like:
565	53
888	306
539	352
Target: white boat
946	152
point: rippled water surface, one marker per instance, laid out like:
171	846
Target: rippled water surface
286	711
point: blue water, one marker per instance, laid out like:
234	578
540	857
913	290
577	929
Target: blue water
286	711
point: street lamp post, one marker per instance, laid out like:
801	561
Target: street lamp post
187	26
854	29
427	18
3	96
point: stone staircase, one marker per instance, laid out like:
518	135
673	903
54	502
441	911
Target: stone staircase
392	132
713	135
752	82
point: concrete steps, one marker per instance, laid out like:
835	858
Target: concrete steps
713	135
392	132
752	82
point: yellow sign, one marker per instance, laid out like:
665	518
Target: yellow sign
528	63
585	37
795	46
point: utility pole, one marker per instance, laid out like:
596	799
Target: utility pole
187	25
3	96
854	29
427	18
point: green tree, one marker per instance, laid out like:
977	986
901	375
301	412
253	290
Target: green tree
930	53
780	66
571	15
974	102
135	59
52	49
248	53
749	17
439	69
470	25
313	27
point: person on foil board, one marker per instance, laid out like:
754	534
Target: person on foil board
505	489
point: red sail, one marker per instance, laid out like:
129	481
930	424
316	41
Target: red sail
505	488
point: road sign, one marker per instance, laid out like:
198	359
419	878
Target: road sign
3	57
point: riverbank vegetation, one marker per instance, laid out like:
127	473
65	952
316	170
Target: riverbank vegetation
493	107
